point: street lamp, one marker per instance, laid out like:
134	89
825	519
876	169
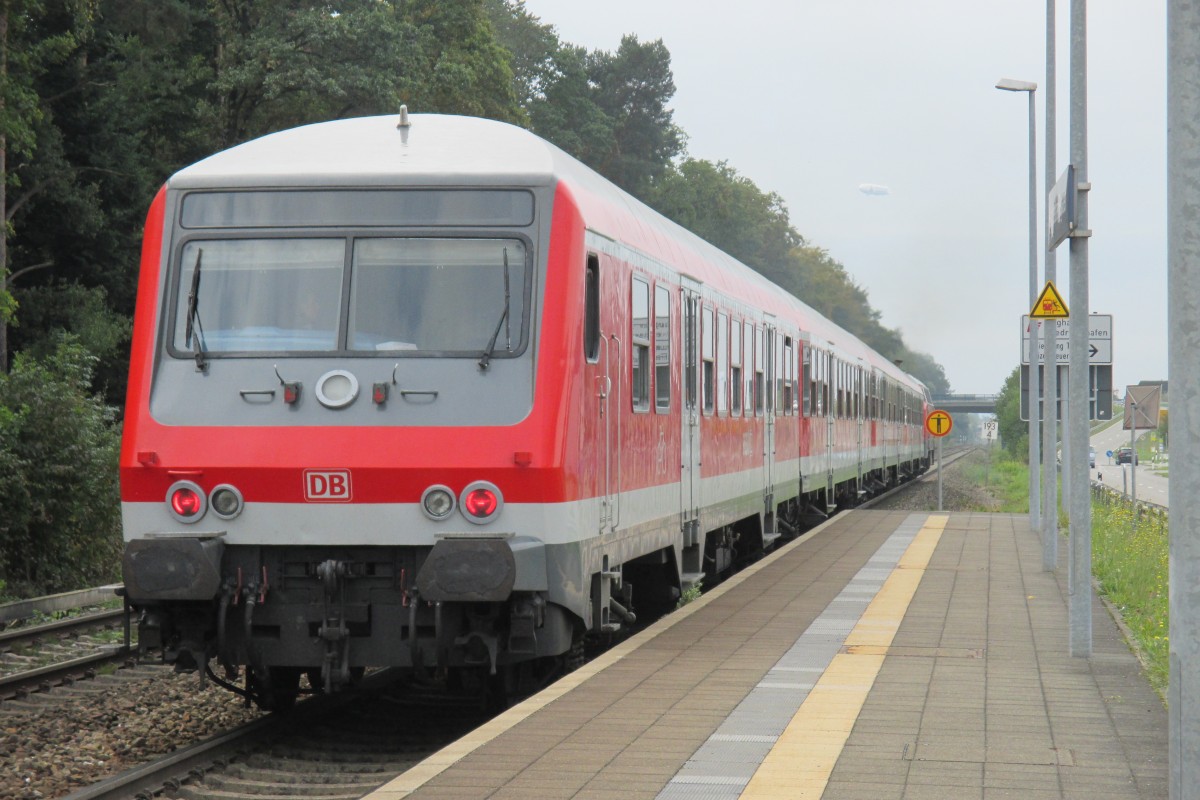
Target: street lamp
1010	85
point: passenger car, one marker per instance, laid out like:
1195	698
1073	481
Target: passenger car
1126	455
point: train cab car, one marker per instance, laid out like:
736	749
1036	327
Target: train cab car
434	395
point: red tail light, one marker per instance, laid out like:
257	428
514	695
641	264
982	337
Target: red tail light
186	501
481	502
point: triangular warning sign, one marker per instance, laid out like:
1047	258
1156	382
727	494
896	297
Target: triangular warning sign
1050	304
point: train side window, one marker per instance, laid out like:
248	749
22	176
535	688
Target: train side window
662	349
722	363
806	378
835	392
858	392
735	357
780	377
826	361
748	364
788	400
591	309
640	345
759	363
708	379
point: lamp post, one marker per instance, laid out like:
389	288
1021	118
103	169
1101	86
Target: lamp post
1010	85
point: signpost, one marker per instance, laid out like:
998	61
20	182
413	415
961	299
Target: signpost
939	423
1141	412
990	428
1099	339
1100	348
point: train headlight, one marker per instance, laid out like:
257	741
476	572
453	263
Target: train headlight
337	388
226	501
481	502
437	502
186	501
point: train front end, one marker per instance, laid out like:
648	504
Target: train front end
333	458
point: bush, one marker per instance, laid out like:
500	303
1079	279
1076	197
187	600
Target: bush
60	525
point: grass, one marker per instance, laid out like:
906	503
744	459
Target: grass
1006	480
1130	561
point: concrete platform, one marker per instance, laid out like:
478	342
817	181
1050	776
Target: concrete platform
885	655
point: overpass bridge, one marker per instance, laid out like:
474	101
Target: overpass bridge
966	403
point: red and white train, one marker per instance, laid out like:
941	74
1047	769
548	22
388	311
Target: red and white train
434	394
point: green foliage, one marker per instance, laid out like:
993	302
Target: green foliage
633	87
1013	432
1007	480
690	595
1130	560
730	211
59	512
49	311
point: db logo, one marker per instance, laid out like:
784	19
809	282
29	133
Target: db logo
327	485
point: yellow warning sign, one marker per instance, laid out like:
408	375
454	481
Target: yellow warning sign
938	423
1050	304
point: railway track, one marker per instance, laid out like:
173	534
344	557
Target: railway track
332	747
36	656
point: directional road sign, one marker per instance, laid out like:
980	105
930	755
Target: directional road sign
1099	339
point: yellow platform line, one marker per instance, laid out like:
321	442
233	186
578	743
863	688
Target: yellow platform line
799	766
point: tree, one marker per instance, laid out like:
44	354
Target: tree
731	212
633	87
1014	433
60	524
31	41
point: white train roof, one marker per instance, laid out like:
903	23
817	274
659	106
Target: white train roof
434	150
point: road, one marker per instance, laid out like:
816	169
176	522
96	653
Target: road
1151	487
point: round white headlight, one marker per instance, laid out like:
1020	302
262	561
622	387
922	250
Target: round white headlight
437	502
337	388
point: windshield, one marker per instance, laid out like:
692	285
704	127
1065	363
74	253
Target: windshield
437	295
261	294
410	296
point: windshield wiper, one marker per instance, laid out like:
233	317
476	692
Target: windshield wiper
502	322
194	326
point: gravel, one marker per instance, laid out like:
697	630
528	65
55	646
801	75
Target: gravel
54	744
958	492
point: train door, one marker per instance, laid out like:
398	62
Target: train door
609	355
830	394
689	483
859	422
769	361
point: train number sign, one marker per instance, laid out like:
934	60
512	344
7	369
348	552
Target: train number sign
938	423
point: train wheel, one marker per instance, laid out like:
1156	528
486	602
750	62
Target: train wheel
278	691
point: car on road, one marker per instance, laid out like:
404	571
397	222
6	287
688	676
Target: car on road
1092	457
1126	455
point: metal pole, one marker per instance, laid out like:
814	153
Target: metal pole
1050	390
1183	324
1035	481
939	472
1080	611
1133	459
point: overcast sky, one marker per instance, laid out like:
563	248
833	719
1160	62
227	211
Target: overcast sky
813	99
